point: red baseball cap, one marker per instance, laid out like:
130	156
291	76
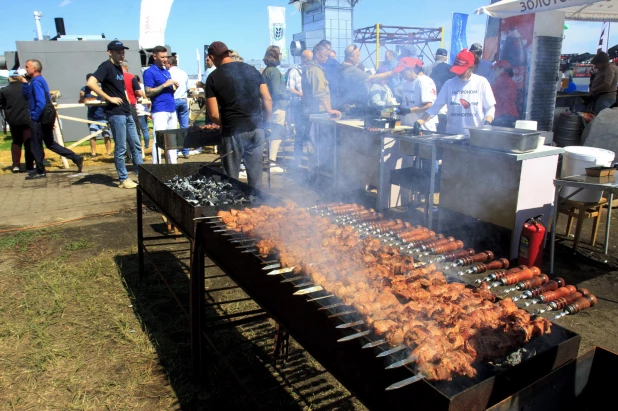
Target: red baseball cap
463	61
407	62
501	64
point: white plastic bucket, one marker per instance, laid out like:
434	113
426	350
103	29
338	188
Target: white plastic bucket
575	161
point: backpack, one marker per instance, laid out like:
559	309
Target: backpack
48	117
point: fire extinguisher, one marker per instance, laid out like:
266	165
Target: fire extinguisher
531	242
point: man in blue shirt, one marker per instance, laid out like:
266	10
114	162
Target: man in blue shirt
160	88
118	111
97	114
37	93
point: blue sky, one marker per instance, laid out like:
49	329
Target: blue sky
243	24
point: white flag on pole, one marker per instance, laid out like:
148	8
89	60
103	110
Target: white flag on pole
604	39
199	64
276	25
152	22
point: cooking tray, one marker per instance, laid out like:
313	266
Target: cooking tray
152	178
508	140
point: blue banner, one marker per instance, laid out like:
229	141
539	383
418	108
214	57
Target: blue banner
458	34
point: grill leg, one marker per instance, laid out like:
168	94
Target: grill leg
197	306
282	342
140	233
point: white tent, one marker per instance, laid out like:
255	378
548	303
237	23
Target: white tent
581	10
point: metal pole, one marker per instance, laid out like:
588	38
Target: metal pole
609	219
377	46
442	38
552	245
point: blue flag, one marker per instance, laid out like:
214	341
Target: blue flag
458	34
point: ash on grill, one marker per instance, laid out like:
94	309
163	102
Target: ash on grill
209	191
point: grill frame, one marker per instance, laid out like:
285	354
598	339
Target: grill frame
359	370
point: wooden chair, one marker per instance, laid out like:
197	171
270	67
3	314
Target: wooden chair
582	211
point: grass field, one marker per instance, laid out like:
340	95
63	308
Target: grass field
80	331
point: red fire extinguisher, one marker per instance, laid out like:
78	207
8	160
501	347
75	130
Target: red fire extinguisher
531	242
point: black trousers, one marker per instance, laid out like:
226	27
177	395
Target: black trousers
45	134
21	135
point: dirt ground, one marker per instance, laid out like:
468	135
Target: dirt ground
86	333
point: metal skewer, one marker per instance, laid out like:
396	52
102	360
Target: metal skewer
309	290
401	363
352	324
375	343
292	279
405	382
320	298
281	271
392	351
354	336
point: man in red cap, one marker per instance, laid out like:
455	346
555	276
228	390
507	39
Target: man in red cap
505	91
418	93
237	99
470	101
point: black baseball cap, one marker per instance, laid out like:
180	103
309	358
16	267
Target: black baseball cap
217	49
441	52
116	45
476	47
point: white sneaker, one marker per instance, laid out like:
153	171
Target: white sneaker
194	152
276	169
128	183
243	175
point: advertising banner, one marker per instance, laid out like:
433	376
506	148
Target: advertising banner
516	37
276	27
458	34
153	21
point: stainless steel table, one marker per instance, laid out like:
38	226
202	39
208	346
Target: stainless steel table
581	182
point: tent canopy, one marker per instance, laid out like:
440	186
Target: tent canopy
580	10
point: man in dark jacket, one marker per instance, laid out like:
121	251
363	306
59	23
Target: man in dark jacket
38	96
17	115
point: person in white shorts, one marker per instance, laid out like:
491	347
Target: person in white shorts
160	89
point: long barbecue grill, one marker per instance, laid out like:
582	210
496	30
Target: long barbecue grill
311	321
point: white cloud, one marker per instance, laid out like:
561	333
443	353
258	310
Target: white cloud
65	3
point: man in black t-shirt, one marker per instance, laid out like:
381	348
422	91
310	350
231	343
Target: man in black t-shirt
238	100
118	111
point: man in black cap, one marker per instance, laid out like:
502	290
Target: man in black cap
237	99
118	110
483	68
440	70
440	73
603	86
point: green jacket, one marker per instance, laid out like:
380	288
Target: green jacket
315	89
276	87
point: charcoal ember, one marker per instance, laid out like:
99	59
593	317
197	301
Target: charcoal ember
208	191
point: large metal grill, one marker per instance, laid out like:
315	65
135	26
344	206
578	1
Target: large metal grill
356	368
359	369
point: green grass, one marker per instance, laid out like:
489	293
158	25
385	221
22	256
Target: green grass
22	239
5	141
77	245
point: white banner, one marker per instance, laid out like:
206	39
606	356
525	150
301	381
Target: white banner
584	10
152	22
276	26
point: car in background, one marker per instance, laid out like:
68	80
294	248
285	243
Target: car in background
581	76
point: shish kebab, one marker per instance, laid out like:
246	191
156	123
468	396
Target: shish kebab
365	332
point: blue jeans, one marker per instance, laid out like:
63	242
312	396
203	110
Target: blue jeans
182	112
143	124
125	133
